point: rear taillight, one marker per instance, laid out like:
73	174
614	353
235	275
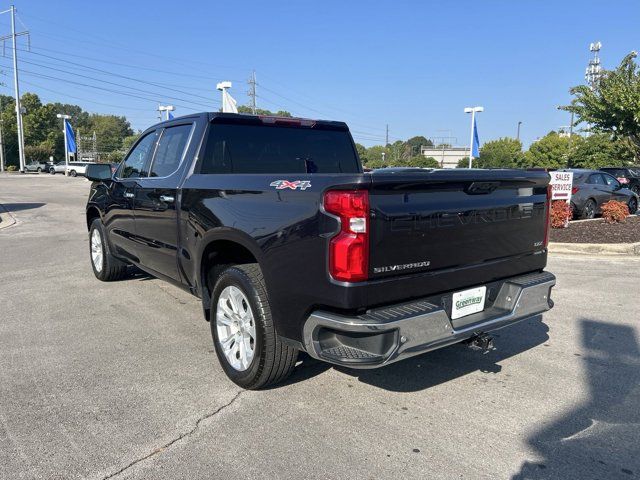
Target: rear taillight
547	218
574	190
349	249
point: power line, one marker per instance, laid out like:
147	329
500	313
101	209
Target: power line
117	84
118	92
126	77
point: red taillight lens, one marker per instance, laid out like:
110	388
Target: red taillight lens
349	249
574	190
547	219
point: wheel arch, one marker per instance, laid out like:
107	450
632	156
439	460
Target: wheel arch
93	212
231	247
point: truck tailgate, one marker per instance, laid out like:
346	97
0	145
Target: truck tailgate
442	219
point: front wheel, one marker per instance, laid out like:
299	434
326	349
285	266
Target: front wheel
633	206
589	210
39	170
73	173
52	171
249	350
105	266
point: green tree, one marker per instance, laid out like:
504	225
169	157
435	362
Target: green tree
613	106
599	150
550	151
423	162
414	144
260	111
502	153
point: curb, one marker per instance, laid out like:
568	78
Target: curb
6	219
596	248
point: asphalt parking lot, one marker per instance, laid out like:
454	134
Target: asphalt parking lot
120	380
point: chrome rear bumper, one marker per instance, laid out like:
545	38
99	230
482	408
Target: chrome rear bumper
388	334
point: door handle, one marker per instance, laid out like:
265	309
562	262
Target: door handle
128	195
167	198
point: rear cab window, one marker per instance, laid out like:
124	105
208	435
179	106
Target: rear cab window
256	147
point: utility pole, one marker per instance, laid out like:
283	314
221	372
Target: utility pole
386	142
13	36
252	91
518	134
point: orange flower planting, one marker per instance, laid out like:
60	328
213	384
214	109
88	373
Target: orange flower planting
614	211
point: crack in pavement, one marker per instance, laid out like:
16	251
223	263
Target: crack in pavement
162	448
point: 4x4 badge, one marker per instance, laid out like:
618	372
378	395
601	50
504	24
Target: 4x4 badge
282	184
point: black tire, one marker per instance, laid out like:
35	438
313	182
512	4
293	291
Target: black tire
273	360
52	171
633	206
589	209
111	268
73	173
39	170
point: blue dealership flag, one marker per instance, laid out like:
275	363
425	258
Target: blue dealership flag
71	138
170	115
475	150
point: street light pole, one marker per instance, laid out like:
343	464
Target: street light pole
472	111
518	134
165	108
66	145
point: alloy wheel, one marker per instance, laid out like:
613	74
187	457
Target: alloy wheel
236	328
96	250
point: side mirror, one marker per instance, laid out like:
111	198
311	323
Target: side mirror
99	172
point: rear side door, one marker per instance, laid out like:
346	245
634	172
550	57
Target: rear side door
156	199
119	218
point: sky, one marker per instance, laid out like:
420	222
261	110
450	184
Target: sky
411	65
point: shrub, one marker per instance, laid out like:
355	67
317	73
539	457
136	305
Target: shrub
12	168
560	214
614	211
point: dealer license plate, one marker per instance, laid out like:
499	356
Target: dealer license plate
467	302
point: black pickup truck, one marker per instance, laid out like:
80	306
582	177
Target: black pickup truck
291	246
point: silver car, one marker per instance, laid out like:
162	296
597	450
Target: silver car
58	167
35	166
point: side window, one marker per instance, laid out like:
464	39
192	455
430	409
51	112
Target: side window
596	179
171	146
612	182
133	166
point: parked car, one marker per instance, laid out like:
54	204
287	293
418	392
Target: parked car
291	246
592	188
628	176
35	166
58	167
78	168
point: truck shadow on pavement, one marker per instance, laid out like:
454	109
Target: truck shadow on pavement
600	438
439	366
16	207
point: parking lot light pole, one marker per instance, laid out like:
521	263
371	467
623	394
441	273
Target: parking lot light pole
472	111
66	147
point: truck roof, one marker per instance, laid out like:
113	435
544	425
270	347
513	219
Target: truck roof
249	119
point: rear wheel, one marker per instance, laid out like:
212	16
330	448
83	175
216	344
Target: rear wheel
589	209
105	266
73	173
39	170
633	206
249	349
